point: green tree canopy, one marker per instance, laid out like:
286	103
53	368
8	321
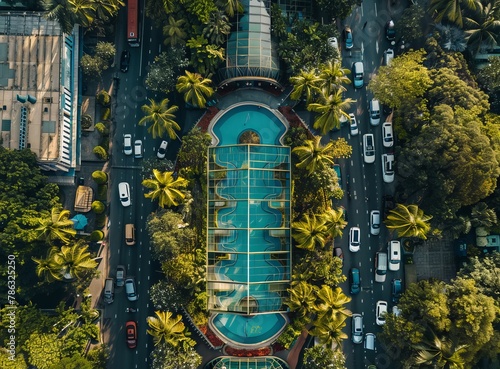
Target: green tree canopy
162	74
321	357
400	83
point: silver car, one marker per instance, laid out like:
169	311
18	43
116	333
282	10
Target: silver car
120	276
357	328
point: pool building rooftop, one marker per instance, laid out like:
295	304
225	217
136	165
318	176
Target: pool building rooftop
248	230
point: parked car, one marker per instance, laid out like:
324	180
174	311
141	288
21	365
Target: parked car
396	311
388	168
332	42
162	150
396	287
353	125
390	31
124	191
388	56
354	281
375	222
358	75
381	311
120	276
387	134
124	61
348	38
368	148
131	333
354	239
127	144
337	251
394	255
357	328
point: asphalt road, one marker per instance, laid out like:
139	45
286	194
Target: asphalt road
129	96
366	184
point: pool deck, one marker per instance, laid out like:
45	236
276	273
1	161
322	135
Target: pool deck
254	95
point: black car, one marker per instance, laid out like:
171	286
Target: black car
125	61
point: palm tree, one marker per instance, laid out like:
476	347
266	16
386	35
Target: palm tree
483	26
56	227
439	353
196	89
174	32
309	232
74	260
331	107
482	216
451	10
332	303
106	9
301	299
313	156
61	11
218	28
408	221
165	188
84	11
329	331
334	222
333	76
162	118
165	327
305	84
231	7
48	267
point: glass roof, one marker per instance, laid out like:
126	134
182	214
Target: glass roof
250	51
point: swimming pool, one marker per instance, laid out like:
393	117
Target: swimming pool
228	127
248	226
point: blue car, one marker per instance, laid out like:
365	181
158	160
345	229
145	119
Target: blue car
348	38
354	281
396	290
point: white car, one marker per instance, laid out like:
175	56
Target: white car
387	134
388	56
162	150
127	144
357	328
332	42
354	239
396	311
375	222
381	311
124	191
137	149
353	125
368	148
388	168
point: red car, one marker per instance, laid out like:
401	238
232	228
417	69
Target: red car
131	331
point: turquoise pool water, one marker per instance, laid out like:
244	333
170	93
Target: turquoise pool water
253	210
249	117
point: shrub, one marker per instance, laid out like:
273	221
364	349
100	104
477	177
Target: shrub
100	152
103	98
102	129
96	235
100	177
98	207
86	121
106	114
102	192
100	220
